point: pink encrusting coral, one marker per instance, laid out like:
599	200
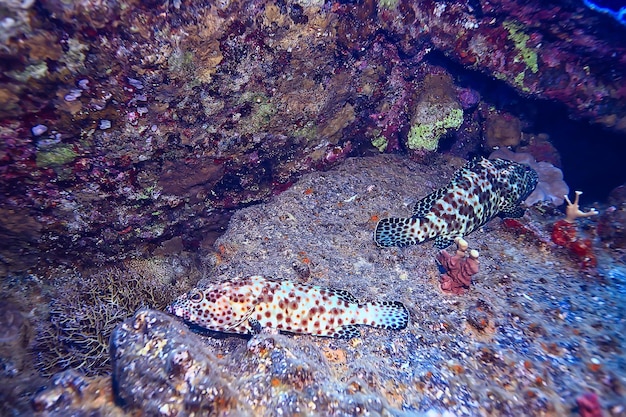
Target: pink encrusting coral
589	405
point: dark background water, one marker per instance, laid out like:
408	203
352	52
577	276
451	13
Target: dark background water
594	159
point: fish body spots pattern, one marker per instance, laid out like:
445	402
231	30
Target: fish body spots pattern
477	193
236	306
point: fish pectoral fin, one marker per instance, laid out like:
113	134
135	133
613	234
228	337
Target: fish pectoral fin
245	322
255	326
347	331
513	213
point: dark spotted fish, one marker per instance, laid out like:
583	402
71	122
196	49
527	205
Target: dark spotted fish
479	191
247	305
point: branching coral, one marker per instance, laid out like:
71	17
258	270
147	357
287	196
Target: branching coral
86	309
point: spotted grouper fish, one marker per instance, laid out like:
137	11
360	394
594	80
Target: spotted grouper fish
247	305
478	192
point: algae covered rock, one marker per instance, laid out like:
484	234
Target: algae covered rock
160	367
436	113
511	342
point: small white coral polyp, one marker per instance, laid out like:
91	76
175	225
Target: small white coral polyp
551	186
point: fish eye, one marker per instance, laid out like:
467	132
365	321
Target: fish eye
196	297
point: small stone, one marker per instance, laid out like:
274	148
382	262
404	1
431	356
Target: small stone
39	130
73	95
135	83
105	124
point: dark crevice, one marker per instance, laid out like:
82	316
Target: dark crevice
593	158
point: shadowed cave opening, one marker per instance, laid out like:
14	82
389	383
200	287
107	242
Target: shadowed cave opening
593	158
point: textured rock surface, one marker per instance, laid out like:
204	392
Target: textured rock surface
526	336
125	123
531	334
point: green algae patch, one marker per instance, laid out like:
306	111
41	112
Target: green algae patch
35	71
426	136
262	111
55	157
380	143
525	54
436	113
388	4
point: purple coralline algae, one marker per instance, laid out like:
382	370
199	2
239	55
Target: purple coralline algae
136	129
262	92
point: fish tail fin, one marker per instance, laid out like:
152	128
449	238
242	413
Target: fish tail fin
391	315
397	231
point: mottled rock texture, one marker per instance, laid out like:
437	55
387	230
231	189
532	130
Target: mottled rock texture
125	123
532	333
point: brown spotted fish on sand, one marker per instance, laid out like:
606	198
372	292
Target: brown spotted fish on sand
247	305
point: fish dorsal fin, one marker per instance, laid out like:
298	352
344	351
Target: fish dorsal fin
423	207
473	162
344	295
